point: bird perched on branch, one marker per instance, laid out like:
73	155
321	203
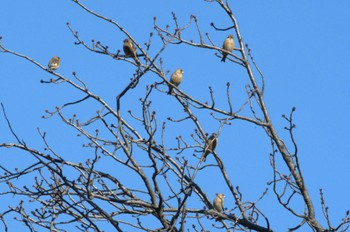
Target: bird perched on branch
175	79
210	145
54	63
219	202
229	45
130	50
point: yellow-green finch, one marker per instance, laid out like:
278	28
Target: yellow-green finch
54	63
229	45
210	145
175	79
219	202
130	50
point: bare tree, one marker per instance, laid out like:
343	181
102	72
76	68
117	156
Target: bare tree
62	194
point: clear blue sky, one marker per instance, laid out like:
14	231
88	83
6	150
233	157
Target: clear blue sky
302	47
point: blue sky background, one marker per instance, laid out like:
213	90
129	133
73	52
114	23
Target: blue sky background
302	47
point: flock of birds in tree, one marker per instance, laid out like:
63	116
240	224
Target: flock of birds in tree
175	80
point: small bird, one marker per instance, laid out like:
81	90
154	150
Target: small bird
210	145
219	202
130	50
175	79
54	63
229	45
